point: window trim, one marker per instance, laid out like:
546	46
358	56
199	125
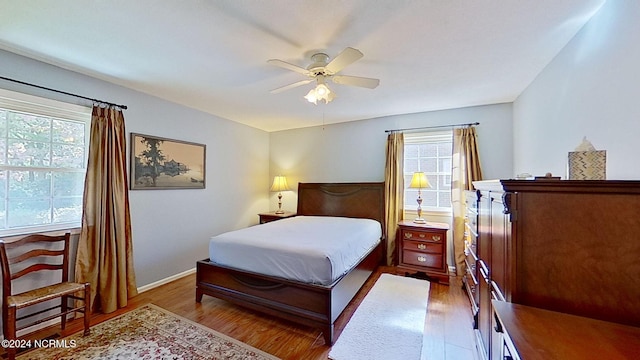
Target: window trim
53	108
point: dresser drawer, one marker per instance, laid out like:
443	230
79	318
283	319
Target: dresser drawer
471	230
470	253
473	282
422	259
471	267
471	198
471	285
471	222
422	236
423	246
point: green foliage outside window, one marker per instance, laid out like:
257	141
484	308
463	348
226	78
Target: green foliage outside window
42	169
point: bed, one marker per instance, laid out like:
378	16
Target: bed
311	303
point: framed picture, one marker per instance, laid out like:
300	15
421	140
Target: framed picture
160	163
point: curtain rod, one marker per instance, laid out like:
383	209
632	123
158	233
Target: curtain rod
433	127
123	107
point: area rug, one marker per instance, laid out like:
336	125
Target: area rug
150	333
388	324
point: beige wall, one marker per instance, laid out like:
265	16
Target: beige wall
171	228
590	89
355	151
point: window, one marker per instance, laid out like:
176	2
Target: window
430	153
43	156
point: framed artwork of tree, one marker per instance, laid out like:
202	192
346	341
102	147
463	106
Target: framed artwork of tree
160	163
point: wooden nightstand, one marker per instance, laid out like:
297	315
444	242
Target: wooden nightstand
272	216
422	250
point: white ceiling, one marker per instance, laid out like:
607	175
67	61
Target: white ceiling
212	55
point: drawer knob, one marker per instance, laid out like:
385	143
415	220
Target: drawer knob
436	237
408	235
422	236
422	258
422	246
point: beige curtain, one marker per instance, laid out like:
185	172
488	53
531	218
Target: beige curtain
465	170
105	252
394	191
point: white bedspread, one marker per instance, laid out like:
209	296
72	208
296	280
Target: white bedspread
311	249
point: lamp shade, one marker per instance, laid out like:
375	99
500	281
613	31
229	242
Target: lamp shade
320	92
419	181
280	184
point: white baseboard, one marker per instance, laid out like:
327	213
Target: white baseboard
166	280
452	270
55	322
36	327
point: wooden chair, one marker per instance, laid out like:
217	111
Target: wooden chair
31	254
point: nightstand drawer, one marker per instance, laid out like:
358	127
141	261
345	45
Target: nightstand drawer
422	259
423	246
422	235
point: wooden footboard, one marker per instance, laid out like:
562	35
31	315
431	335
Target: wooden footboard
306	304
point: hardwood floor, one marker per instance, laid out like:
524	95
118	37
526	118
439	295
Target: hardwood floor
448	332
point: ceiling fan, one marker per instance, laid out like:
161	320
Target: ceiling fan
322	70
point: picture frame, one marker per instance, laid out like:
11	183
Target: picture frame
159	163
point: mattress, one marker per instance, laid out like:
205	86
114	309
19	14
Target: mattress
310	249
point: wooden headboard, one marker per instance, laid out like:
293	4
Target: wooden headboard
357	200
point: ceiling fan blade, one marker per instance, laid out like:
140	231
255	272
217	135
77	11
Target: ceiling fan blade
355	81
291	86
346	57
286	65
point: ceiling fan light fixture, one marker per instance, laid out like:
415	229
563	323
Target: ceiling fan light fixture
322	69
330	96
320	92
311	96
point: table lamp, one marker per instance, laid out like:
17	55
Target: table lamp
279	185
419	181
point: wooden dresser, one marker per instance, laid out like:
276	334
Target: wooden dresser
470	278
530	333
422	249
561	245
